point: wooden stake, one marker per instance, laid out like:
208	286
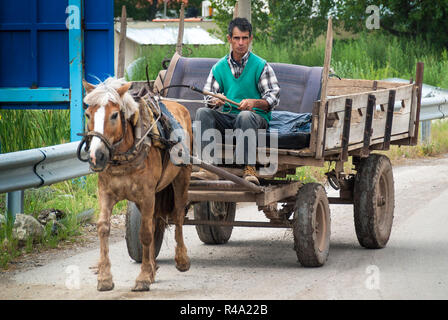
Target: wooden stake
235	11
323	95
122	46
180	35
419	83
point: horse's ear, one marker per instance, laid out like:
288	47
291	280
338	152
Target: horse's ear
124	88
89	87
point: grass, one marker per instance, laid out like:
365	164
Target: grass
370	55
28	129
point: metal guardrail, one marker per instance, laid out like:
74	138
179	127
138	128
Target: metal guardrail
40	167
44	166
36	168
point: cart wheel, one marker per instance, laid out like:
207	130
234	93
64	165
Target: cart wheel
214	211
374	199
133	243
311	225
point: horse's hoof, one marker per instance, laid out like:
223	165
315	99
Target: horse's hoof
182	267
105	285
141	286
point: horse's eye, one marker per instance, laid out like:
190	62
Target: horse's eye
114	116
87	116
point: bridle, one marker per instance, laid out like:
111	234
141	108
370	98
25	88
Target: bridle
116	157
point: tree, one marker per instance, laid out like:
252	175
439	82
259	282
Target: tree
223	14
278	20
408	18
136	9
302	21
147	9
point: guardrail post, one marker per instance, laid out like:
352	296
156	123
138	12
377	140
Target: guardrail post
14	203
426	131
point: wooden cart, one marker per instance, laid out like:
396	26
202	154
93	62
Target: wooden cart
351	118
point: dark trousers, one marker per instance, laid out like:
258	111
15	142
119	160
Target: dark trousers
212	119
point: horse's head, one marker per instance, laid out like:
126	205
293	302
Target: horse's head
109	107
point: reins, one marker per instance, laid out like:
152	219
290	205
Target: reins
203	92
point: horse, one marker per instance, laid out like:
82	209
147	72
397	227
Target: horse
158	187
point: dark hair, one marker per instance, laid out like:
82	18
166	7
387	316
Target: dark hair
241	23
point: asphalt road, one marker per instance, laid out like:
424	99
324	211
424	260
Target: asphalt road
260	263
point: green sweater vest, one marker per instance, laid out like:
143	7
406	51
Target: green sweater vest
245	87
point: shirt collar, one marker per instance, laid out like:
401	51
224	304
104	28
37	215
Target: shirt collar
243	59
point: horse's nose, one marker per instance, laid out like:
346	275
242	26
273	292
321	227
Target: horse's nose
100	158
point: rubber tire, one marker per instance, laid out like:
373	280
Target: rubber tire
312	207
133	220
214	234
373	223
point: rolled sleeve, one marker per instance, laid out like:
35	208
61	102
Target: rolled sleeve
268	87
212	86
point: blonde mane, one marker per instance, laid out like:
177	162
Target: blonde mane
107	91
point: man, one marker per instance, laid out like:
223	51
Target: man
242	77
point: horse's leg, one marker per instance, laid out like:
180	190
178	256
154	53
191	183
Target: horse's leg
103	225
180	186
147	272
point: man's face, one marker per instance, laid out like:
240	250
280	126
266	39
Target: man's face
240	41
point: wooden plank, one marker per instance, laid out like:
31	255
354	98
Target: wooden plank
280	171
278	193
337	87
389	118
300	161
419	83
225	196
323	98
215	185
400	125
371	102
412	120
337	104
356	147
255	224
314	126
346	129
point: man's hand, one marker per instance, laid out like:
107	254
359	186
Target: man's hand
217	102
249	104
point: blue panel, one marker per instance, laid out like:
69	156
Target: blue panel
14	11
50	11
53	69
99	40
38	53
42	106
15	59
37	50
34	95
99	60
99	11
